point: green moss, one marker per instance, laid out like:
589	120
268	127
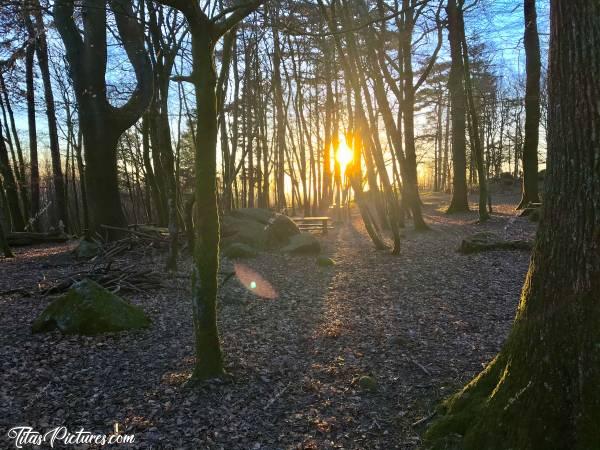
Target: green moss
367	383
540	392
324	261
89	309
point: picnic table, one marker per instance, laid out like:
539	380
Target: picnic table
313	223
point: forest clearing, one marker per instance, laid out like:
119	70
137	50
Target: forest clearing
296	360
314	224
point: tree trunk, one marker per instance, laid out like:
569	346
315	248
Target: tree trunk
209	360
532	106
32	127
101	123
476	142
57	174
410	179
280	114
460	202
4	243
10	186
17	142
542	390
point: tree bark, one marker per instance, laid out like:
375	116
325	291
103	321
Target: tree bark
57	175
533	67
541	391
101	123
10	186
460	202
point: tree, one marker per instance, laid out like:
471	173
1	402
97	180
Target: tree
10	187
460	202
41	48
541	391
533	67
205	33
101	123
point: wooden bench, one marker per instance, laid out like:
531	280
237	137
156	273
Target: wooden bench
313	223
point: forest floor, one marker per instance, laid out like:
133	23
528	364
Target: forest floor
420	324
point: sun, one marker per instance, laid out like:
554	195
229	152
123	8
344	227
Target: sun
344	154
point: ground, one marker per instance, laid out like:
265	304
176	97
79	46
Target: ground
420	325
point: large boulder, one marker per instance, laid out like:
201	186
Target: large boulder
280	230
485	241
302	244
242	231
238	250
89	309
259	215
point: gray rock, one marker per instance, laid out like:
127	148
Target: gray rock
280	230
241	231
259	215
89	309
239	250
86	249
302	244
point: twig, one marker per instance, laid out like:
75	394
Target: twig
420	366
425	419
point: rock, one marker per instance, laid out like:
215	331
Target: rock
280	230
485	241
86	249
89	309
367	383
324	261
239	250
302	244
241	231
253	214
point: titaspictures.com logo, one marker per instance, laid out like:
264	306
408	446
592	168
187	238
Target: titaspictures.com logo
25	436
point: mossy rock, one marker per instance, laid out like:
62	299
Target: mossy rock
248	232
302	244
367	383
486	241
89	309
239	250
324	261
280	230
86	249
259	215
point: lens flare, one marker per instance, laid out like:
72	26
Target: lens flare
254	282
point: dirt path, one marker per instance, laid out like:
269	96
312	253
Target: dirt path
419	325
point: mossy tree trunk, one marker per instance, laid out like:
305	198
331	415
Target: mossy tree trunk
101	123
533	67
205	34
542	389
209	360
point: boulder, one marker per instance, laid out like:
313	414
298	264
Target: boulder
239	250
241	231
254	214
280	230
89	309
302	244
86	249
485	241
